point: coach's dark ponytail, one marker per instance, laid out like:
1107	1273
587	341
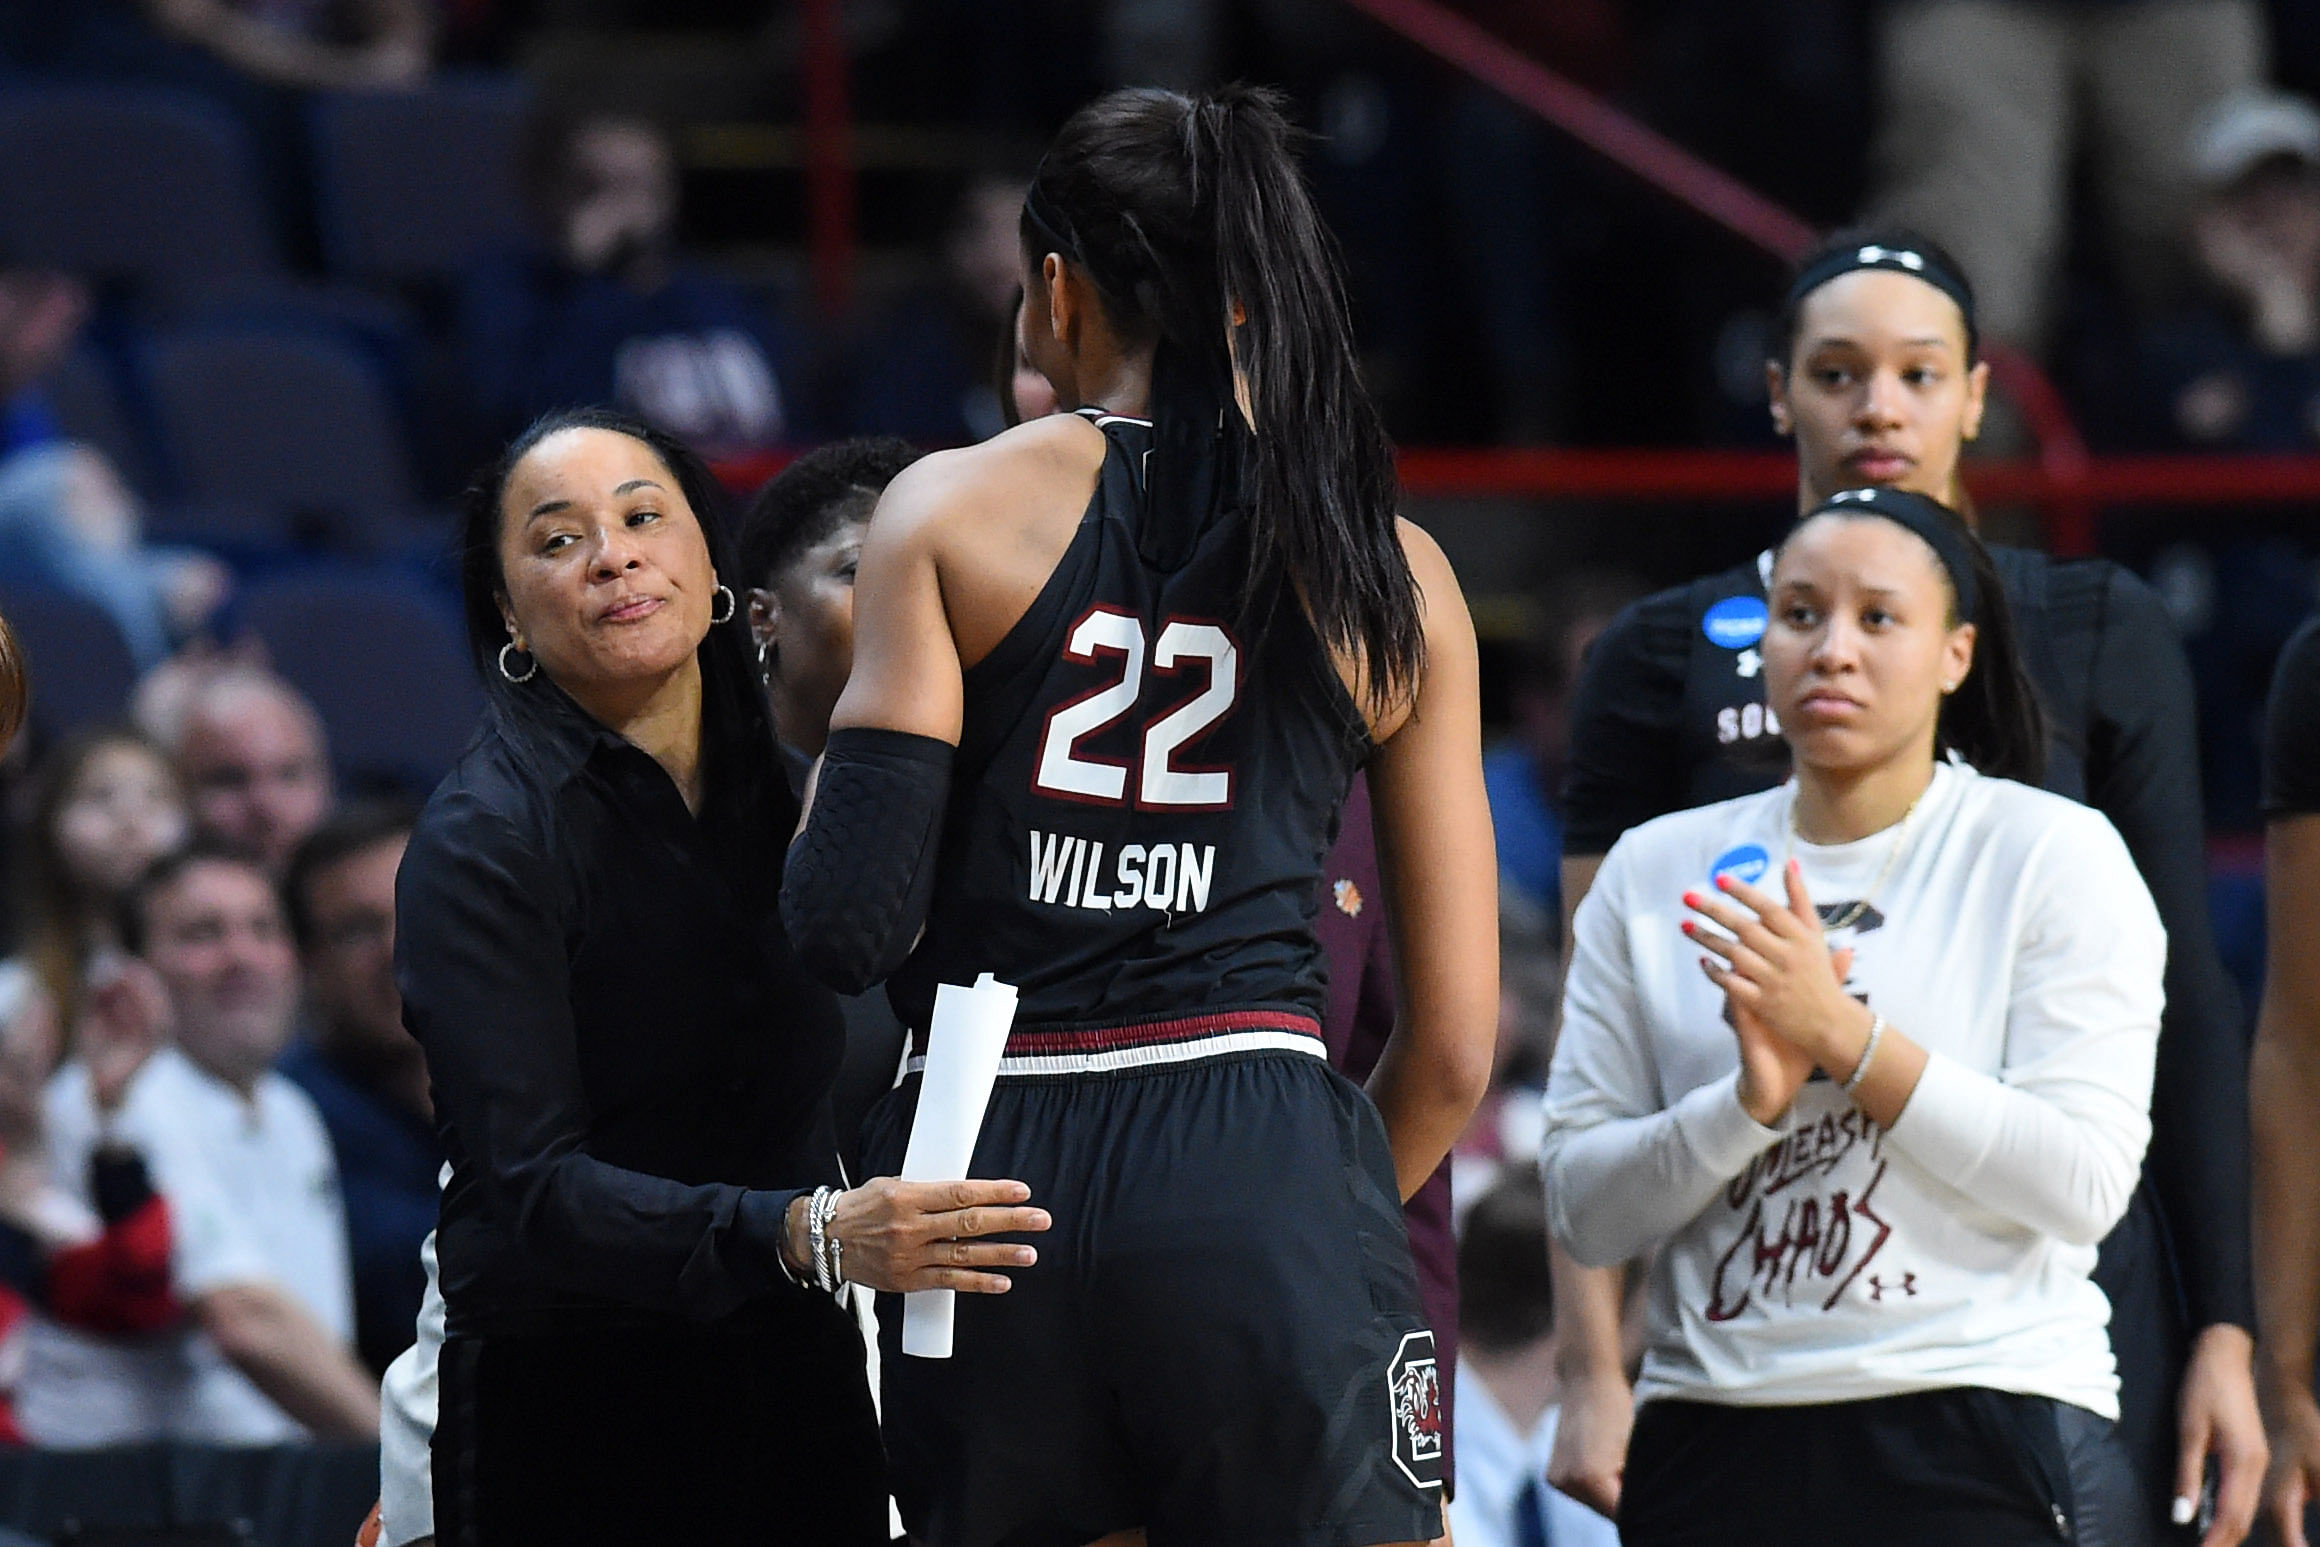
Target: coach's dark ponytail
1194	221
1994	720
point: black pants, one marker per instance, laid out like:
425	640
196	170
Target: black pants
1222	1341
1929	1469
2136	1271
705	1436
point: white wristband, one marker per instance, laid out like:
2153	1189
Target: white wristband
1868	1054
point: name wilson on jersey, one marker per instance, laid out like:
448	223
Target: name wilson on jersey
1070	872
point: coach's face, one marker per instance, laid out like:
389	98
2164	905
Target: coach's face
608	583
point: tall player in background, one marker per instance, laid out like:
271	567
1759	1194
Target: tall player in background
2285	1087
1877	378
1114	673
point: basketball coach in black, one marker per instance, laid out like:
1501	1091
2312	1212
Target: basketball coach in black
631	1075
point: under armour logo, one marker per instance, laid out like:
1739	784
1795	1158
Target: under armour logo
1878	1286
1900	255
1749	662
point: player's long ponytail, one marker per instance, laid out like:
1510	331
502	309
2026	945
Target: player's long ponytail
1194	221
1994	719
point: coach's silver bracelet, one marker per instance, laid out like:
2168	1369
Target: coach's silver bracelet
1868	1053
829	1254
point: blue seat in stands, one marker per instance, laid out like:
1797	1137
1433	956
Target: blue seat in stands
419	184
85	394
128	182
296	424
164	1495
385	664
80	667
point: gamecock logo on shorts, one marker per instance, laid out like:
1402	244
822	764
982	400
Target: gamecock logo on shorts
1414	1386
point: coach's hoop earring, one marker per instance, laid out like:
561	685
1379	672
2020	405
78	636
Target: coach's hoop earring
724	593
531	663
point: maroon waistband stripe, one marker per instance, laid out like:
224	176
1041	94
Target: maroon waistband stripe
1188	1029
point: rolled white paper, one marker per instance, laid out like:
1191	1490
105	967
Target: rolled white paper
963	1045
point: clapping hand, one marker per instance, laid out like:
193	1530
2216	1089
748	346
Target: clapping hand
1784	989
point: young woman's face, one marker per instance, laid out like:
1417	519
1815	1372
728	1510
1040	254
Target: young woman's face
1878	389
1861	650
803	617
123	812
607	572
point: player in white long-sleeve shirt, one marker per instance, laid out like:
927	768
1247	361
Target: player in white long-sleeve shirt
1868	1059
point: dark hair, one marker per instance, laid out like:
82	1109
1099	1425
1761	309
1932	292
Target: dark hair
57	917
1185	212
15	689
165	872
815	495
352	830
1505	1297
745	790
1896	239
1994	720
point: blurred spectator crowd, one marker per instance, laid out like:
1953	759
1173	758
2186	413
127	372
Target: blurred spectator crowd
275	274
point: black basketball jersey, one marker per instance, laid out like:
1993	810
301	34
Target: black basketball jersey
1670	711
1146	783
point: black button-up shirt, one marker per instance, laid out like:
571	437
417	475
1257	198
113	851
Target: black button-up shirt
631	1074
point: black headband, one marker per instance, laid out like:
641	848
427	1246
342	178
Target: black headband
1935	523
1051	226
1916	262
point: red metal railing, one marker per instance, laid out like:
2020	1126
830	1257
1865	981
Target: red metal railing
829	136
1732	204
1572	473
2064	482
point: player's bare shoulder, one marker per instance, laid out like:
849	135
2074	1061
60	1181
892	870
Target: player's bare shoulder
961	499
989	522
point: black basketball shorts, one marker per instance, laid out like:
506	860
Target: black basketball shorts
1221	1343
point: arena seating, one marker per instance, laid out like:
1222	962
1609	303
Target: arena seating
79	664
417	185
125	183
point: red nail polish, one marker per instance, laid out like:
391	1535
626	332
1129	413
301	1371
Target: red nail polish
1689	926
1691	899
1723	883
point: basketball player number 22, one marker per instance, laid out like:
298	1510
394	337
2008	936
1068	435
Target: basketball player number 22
1065	772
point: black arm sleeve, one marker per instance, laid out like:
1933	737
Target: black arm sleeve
2292	729
480	958
2143	773
1627	764
860	878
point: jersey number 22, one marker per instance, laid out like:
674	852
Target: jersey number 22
1066	773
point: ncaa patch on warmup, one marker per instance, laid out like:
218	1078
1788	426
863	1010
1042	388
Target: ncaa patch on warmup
1414	1387
1745	864
1736	622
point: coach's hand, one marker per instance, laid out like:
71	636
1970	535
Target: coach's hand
899	1236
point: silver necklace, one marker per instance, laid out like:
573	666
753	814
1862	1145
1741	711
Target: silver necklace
1854	914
